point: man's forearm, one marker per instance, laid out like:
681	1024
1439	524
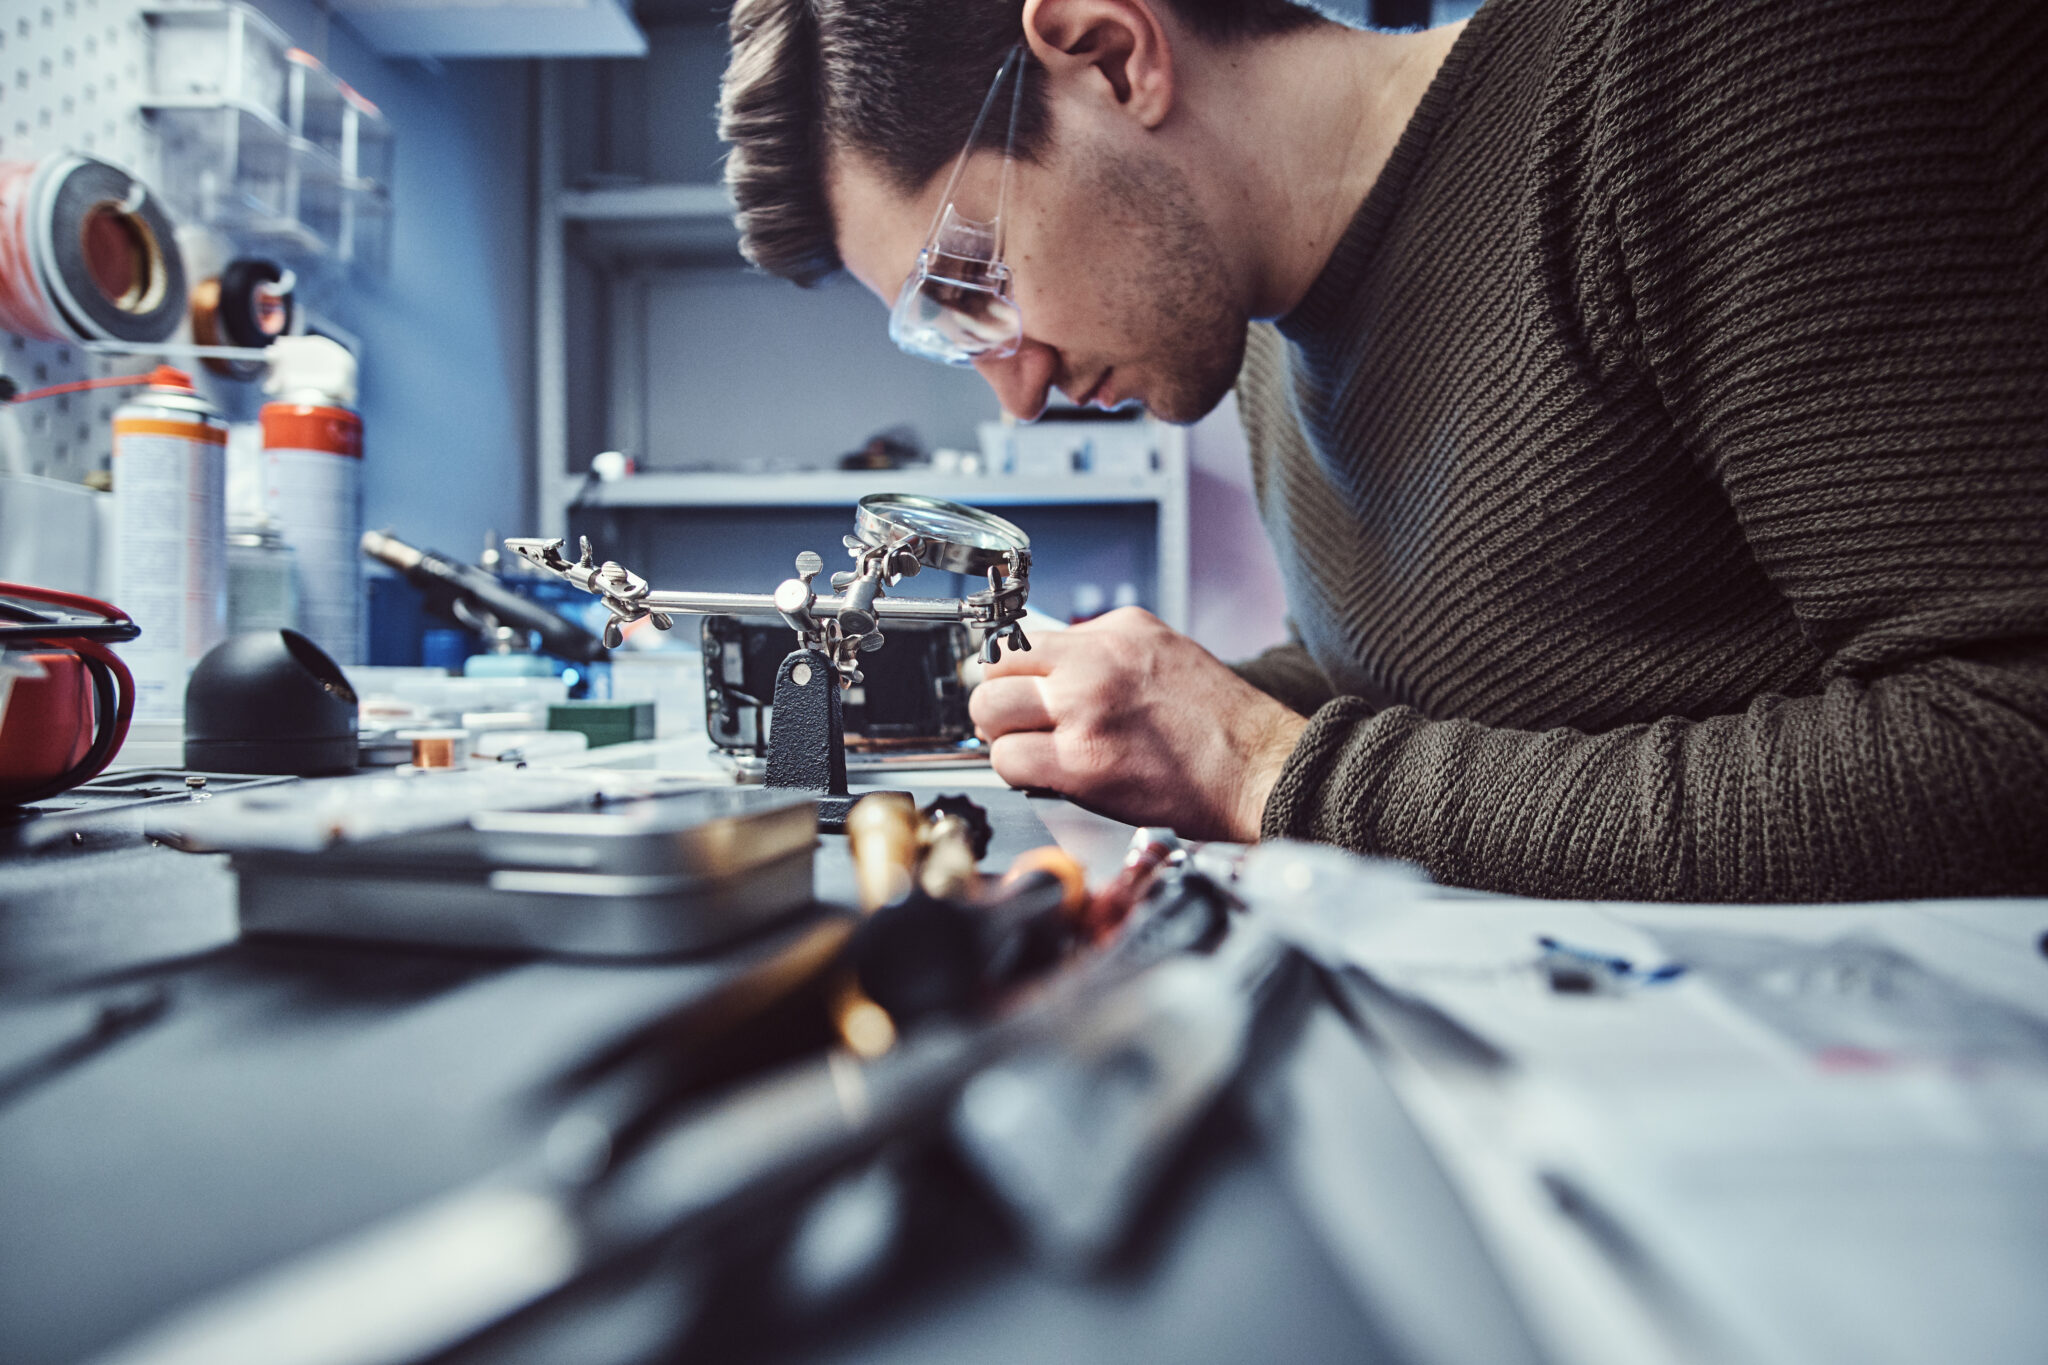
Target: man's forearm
1927	782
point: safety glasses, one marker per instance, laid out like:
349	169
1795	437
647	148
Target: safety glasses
957	307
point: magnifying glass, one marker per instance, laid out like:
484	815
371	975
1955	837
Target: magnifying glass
949	536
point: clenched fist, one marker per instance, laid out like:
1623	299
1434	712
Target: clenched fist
1130	718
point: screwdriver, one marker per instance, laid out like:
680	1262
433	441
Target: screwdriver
1034	916
921	955
1151	848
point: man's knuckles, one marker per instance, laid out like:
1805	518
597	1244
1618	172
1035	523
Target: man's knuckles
1135	620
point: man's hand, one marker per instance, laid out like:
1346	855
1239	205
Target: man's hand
1130	718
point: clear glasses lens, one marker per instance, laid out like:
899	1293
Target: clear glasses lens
957	307
957	311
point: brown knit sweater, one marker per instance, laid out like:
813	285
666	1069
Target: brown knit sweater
1659	467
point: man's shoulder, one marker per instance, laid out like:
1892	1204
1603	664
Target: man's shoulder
1265	402
1262	380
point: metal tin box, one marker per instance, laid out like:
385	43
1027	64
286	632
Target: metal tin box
591	874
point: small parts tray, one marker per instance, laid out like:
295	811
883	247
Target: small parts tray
629	869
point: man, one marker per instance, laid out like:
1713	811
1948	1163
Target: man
1654	432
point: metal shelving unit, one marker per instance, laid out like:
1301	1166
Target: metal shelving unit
1164	493
630	222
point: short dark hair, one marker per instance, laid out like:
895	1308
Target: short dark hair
898	82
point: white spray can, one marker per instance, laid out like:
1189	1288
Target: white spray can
312	471
170	536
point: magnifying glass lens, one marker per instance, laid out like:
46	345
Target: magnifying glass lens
957	538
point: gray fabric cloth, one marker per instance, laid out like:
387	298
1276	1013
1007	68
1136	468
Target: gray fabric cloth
1659	467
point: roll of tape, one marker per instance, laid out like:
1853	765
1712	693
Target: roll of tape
25	307
250	303
88	252
256	301
111	261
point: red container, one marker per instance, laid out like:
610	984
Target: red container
65	726
48	727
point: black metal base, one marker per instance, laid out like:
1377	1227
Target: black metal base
807	737
832	809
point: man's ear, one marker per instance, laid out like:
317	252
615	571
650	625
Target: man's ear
1117	50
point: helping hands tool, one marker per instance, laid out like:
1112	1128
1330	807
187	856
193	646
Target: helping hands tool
477	600
895	536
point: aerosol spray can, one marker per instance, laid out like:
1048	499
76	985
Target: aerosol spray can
170	536
313	485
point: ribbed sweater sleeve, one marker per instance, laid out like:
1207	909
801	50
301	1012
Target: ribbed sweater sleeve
1816	231
1288	674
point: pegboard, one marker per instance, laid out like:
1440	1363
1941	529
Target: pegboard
72	73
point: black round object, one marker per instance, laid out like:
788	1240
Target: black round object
269	702
979	832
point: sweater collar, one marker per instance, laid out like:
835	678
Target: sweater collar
1328	300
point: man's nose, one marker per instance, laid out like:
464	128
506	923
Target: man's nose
1021	381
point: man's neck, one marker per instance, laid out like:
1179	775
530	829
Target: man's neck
1305	123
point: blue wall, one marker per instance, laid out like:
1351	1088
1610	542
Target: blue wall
446	330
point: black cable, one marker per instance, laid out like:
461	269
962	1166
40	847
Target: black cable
111	633
52	630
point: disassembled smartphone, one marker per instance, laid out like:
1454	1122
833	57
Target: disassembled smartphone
909	711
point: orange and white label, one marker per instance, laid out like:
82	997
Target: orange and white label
202	432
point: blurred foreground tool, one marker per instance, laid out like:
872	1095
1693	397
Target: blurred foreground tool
1030	922
920	955
467	594
897	847
774	1011
416	1284
1150	850
882	830
1075	1137
955	836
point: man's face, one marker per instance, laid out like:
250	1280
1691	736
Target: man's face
1123	288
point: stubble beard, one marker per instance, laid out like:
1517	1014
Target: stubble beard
1183	326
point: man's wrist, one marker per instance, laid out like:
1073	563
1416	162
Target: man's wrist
1269	760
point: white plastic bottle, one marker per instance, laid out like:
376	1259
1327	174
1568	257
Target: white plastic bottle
170	536
313	485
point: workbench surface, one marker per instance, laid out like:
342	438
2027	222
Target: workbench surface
1482	1129
294	1092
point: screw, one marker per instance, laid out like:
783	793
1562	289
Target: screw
195	782
801	675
